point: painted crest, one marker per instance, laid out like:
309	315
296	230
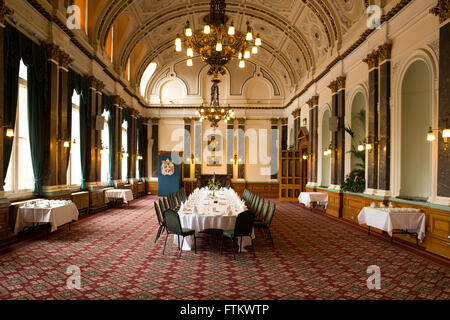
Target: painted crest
167	168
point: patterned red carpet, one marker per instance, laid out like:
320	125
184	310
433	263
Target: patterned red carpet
315	257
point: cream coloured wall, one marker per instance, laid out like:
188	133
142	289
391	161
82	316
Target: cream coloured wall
257	150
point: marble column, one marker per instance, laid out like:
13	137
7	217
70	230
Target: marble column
241	149
144	153
296	115
340	168
334	131
133	156
118	104
384	117
274	148
314	138
372	155
230	149
442	10
284	134
155	147
187	149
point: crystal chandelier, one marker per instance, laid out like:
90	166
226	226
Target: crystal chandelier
215	113
217	44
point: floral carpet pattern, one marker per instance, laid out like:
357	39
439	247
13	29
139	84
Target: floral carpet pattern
315	257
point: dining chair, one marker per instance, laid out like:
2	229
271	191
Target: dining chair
266	224
183	194
263	214
254	202
179	197
242	228
259	208
166	203
162	205
170	200
173	226
161	223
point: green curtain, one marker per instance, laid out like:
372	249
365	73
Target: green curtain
11	87
107	104
140	147
127	118
35	58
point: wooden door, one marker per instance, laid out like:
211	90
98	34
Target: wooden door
290	175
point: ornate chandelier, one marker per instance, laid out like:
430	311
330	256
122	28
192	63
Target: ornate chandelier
215	113
217	44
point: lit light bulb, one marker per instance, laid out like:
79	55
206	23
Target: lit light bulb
446	133
360	147
255	50
203	110
212	109
242	64
247	54
207	29
249	36
189	62
178	49
217	117
231	30
10	133
223	110
178	42
258	40
219	46
188	32
190	52
368	146
66	144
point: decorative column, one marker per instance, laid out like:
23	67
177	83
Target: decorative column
241	149
372	138
133	154
93	141
384	117
442	10
5	229
144	152
340	132
274	149
284	134
314	138
118	104
296	115
187	149
230	150
155	147
334	131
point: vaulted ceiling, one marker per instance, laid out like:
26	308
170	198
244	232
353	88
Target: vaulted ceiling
299	36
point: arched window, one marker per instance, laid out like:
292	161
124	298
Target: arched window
416	109
74	169
105	149
20	175
146	76
125	154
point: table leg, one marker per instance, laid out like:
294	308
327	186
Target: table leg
369	231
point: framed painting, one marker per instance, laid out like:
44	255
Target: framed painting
214	142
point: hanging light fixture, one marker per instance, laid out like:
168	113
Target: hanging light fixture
215	113
216	43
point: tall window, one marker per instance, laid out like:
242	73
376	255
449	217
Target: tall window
74	170
20	176
105	149
124	151
138	174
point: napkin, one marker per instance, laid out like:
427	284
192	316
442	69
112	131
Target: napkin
229	211
372	205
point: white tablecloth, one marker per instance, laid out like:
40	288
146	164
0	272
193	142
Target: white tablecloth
57	215
307	197
389	219
124	194
209	215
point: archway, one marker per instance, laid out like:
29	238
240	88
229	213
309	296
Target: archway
326	140
358	128
416	110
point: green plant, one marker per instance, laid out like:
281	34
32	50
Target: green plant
354	182
213	184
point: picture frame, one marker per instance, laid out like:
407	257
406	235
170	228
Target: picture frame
214	161
214	142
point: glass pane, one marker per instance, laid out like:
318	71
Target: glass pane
75	156
25	172
105	152
23	71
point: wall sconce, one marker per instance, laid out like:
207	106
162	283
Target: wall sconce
103	149
124	154
361	146
445	133
193	159
66	144
139	157
305	156
235	159
9	133
368	144
305	122
328	151
74	141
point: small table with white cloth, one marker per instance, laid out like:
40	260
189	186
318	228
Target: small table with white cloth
408	220
307	198
113	194
53	212
203	211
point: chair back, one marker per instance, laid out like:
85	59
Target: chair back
255	201
179	197
259	207
183	194
162	205
166	203
158	213
265	210
270	215
244	224
172	220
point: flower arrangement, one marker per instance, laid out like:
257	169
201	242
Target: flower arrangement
213	184
354	182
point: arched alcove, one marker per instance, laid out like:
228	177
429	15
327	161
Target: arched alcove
358	126
416	109
326	159
172	92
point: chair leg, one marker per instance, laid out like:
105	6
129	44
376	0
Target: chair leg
270	235
181	248
221	246
158	234
240	246
165	241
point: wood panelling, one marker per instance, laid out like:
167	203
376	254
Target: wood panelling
5	230
239	187
97	200
152	186
291	178
141	189
81	200
265	190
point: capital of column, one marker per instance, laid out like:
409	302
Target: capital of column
442	9
155	121
296	113
274	122
95	84
372	59
333	86
314	101
53	52
284	121
241	120
118	101
384	52
341	82
4	11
